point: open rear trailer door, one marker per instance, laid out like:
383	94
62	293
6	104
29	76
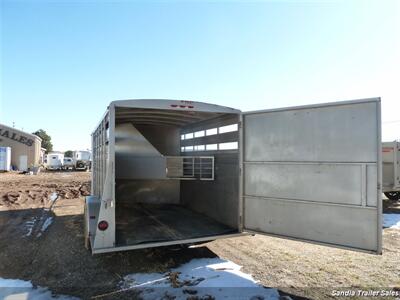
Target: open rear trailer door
314	173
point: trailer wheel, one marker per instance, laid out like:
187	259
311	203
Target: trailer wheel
392	195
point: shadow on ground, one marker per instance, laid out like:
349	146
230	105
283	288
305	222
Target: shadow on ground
55	257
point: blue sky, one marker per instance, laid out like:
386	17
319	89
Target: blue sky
62	62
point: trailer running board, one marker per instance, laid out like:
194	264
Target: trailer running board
190	167
169	243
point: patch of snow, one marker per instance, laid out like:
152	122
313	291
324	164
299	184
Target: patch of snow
29	231
24	290
29	226
45	225
53	196
202	277
391	221
14	283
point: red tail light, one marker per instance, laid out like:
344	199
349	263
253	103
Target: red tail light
103	225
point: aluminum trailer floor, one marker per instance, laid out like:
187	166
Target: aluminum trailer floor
145	223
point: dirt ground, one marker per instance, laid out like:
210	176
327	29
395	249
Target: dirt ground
56	258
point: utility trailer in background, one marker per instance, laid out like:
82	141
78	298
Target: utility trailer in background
391	170
171	172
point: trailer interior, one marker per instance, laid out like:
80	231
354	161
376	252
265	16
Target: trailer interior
176	175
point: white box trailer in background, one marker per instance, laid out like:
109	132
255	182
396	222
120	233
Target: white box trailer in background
391	170
171	172
68	163
54	161
5	158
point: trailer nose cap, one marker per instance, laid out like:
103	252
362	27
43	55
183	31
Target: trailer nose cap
103	225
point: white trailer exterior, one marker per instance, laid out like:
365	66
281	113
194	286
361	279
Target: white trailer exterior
68	163
54	161
171	172
391	169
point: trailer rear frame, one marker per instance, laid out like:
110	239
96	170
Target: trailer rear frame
268	207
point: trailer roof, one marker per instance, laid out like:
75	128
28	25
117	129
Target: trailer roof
180	105
164	112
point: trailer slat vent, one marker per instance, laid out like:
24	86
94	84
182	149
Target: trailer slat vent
190	167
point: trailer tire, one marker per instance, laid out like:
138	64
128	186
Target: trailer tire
393	195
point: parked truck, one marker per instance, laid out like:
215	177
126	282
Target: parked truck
390	170
171	172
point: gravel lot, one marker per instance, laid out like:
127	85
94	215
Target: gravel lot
56	258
